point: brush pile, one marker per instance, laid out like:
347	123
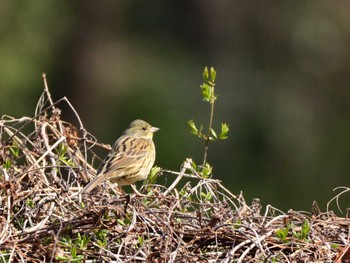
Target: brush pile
46	161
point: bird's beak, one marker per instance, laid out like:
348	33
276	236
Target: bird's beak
154	129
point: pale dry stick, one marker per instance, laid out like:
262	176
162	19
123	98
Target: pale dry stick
159	220
7	231
85	133
12	119
194	190
149	222
315	238
285	257
11	255
42	223
217	254
178	173
117	257
79	155
211	188
279	218
169	216
172	208
174	253
181	174
44	135
231	253
121	245
6	175
180	200
63	209
39	106
28	155
178	179
133	258
214	260
46	88
7	128
49	189
199	185
47	145
3	255
256	243
90	169
336	198
227	191
300	252
55	234
48	151
268	208
345	242
217	247
20	254
48	94
133	221
13	134
64	99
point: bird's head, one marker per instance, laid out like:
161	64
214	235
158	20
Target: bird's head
140	129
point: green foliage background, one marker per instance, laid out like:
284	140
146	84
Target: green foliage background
282	79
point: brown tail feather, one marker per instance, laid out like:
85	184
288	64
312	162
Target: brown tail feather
99	179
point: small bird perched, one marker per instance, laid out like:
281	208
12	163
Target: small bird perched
131	157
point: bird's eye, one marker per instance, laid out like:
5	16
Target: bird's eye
144	128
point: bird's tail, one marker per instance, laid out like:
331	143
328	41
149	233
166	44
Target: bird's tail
99	179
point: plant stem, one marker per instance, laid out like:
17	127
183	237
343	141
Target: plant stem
209	129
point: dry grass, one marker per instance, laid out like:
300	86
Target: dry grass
45	161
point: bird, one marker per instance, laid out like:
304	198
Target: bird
131	157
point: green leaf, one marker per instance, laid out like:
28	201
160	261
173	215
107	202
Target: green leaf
193	127
101	236
213	133
224	131
305	230
153	175
207	170
30	203
206	74
212	74
206	92
206	196
74	251
282	233
140	240
14	150
7	164
194	166
121	222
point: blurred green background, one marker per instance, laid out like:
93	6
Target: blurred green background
283	78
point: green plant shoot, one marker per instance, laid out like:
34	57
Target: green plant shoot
208	95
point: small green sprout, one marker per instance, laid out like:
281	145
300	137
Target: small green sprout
282	233
208	95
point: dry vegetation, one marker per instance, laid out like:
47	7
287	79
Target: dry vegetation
45	161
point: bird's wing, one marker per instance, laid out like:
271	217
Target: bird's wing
125	151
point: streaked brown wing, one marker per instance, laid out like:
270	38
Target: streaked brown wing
125	151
